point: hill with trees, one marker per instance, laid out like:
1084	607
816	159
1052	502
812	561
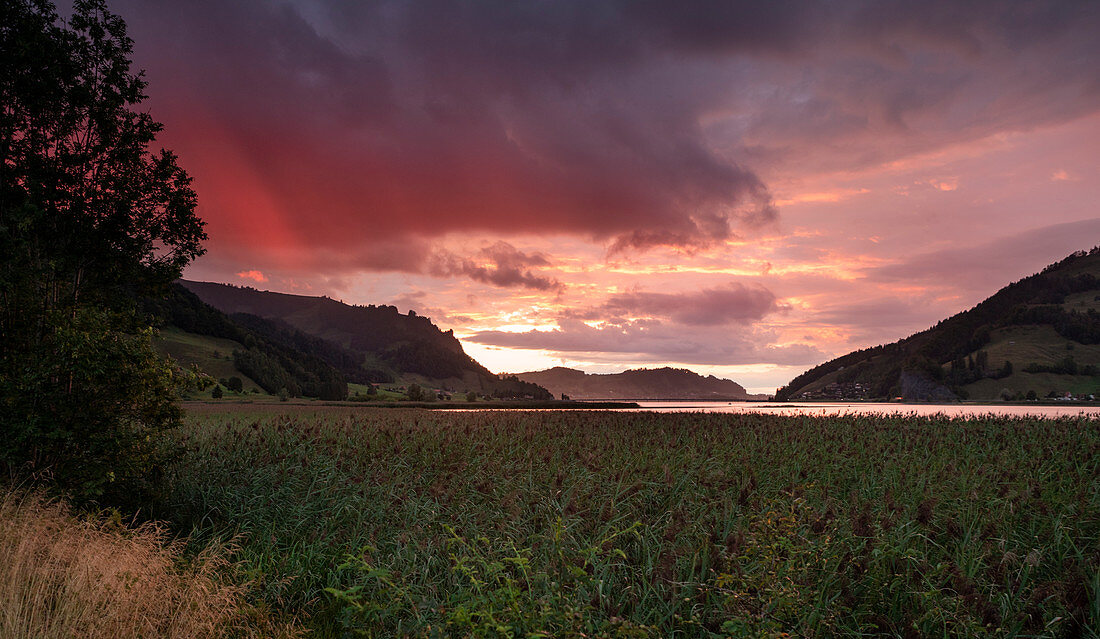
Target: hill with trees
1037	337
365	343
642	383
276	357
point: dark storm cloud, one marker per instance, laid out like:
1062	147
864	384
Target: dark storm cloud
350	125
499	264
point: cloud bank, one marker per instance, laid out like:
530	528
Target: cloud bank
343	127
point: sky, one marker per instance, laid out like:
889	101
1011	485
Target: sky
743	189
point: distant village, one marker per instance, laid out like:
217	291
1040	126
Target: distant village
837	390
858	391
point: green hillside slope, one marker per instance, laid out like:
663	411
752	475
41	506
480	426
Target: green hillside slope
275	358
212	355
1036	337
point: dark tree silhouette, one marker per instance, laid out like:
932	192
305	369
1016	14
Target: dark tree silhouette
90	216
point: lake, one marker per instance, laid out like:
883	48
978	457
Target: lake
891	408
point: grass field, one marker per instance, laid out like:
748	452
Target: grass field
212	355
1082	302
1023	345
407	522
1041	383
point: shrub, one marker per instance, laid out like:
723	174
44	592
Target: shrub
94	439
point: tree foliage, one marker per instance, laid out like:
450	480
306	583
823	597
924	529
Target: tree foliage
90	217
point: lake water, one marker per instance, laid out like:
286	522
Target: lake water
852	408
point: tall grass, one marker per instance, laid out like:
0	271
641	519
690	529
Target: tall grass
66	576
418	523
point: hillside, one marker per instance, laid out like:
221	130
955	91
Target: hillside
1038	337
660	383
387	345
211	355
266	355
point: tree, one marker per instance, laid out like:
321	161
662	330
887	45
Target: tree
95	213
235	384
90	219
414	393
217	392
471	396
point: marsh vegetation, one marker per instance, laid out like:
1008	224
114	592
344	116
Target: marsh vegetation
420	523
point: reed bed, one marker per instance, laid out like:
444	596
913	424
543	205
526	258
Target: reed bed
525	524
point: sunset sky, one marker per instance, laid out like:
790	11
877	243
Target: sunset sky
743	189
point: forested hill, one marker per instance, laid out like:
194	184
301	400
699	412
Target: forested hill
660	383
391	344
273	356
1038	337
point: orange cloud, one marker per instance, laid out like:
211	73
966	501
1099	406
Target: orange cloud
835	195
257	276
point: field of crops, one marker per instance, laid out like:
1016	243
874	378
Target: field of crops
411	522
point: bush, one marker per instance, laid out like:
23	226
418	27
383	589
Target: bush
216	393
235	384
92	438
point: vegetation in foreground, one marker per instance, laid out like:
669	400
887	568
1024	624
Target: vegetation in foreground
419	523
66	576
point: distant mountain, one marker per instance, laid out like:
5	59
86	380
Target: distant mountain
1037	337
643	383
387	345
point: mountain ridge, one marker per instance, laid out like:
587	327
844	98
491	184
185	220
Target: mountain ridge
391	345
642	383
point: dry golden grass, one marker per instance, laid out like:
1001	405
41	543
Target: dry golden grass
76	577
